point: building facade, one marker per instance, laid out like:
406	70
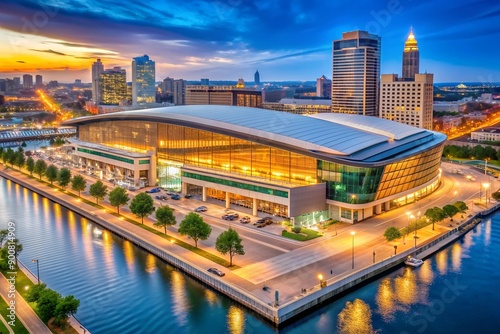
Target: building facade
112	86
355	73
38	81
324	87
488	134
143	80
256	78
179	92
407	101
411	58
269	162
97	69
223	95
27	81
300	106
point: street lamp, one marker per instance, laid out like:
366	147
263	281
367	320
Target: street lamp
395	249
37	270
321	282
353	233
486	186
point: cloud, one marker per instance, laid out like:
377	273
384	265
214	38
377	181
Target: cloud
50	51
21	61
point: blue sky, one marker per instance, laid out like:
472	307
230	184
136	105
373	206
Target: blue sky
230	39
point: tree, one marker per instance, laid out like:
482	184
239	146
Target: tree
30	165
47	303
19	160
35	292
98	190
142	205
194	227
40	168
3	235
461	206
450	211
164	217
435	215
118	197
51	173
66	307
23	144
229	242
392	233
78	183
64	177
11	156
5	157
496	195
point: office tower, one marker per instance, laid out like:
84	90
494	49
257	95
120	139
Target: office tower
355	75
179	90
205	82
167	85
407	101
411	58
256	78
78	83
112	86
323	87
27	81
17	82
38	81
3	85
143	80
223	95
97	69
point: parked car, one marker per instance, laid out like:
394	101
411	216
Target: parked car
176	197
161	197
154	190
188	196
201	209
245	220
216	271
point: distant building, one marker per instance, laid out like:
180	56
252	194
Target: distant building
487	134
256	78
78	83
179	92
324	87
38	81
167	85
27	81
273	94
97	69
143	80
411	58
112	86
355	73
300	106
223	95
205	82
241	83
408	102
53	84
3	86
17	82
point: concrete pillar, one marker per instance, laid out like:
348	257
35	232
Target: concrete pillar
378	209
204	194
184	188
387	206
152	169
254	207
228	201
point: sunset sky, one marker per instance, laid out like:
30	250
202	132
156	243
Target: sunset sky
230	39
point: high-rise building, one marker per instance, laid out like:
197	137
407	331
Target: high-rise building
256	78
167	85
179	90
223	95
112	86
323	87
38	81
407	101
3	86
355	75
411	58
17	82
205	82
27	81
97	69
143	80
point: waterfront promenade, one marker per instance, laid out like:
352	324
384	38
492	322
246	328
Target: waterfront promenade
293	267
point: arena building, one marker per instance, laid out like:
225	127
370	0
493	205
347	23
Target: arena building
309	168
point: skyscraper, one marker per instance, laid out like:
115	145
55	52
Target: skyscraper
323	87
38	81
97	69
411	58
179	92
256	78
143	80
355	75
27	81
112	86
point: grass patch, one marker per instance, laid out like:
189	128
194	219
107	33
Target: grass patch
18	328
304	235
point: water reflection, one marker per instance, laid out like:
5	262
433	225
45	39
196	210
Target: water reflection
235	320
355	318
456	257
150	263
385	300
128	252
180	305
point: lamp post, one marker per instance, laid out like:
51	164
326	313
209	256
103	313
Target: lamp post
373	256
395	249
353	233
321	282
486	186
37	270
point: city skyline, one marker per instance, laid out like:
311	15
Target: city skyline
226	40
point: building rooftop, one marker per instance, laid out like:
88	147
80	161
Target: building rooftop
358	139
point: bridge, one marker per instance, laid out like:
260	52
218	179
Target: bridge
10	137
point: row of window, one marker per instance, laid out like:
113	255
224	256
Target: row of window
106	155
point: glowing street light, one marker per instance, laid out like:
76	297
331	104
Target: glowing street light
37	270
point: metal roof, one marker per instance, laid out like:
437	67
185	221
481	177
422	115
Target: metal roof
348	137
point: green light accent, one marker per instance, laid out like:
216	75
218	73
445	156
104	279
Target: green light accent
144	162
106	155
236	184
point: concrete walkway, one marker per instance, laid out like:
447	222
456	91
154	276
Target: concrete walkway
23	311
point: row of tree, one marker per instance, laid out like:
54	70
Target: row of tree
478	152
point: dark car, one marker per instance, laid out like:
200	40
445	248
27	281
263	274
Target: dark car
154	190
176	197
216	271
161	197
188	196
201	209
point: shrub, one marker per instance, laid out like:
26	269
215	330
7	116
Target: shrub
297	229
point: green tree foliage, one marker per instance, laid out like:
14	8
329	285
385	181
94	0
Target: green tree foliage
450	211
30	165
118	197
461	206
35	292
392	233
98	190
478	152
78	183
23	144
164	217
66	307
142	205
3	235
11	156
64	177
51	173
435	215
47	303
229	242
40	168
355	318
19	160
5	157
496	195
194	227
